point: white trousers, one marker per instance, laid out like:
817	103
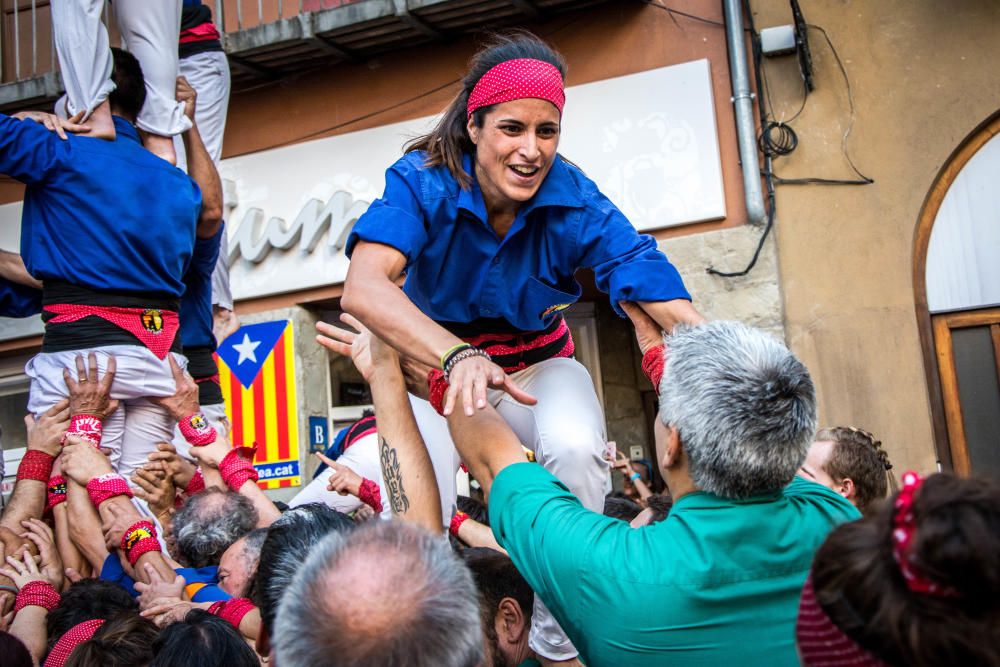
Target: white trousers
208	74
216	417
132	431
363	458
149	30
566	431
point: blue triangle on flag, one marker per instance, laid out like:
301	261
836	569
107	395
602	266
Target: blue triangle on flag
246	350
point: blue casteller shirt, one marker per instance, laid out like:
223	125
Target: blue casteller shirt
19	300
201	583
196	304
459	270
105	215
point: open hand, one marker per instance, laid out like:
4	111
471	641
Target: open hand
469	380
180	470
54	123
90	394
184	401
152	483
159	589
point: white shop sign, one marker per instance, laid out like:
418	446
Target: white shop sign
649	140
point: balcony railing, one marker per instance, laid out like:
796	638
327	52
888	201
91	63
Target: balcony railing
267	39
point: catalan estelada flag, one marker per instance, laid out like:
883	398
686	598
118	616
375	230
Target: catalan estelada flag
257	373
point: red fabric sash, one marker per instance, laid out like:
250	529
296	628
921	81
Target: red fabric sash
200	33
156	329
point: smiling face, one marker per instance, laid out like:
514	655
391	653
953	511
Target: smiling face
515	149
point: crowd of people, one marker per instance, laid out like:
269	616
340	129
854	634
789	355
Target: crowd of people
137	533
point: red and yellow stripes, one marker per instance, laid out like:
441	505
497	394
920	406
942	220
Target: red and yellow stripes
267	412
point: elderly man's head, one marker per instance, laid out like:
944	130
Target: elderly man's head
239	563
209	523
737	410
388	593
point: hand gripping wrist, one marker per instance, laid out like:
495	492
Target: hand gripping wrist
57	491
139	539
237	468
35	465
107	486
38	594
196	430
86	427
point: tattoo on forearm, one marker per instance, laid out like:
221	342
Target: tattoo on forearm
393	479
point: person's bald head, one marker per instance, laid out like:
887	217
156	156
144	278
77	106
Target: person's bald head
388	593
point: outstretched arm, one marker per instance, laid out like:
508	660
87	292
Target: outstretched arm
200	167
406	466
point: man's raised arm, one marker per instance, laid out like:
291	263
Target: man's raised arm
406	466
200	167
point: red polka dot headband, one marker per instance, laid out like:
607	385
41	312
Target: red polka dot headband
903	531
516	80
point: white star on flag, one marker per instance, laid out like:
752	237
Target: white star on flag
246	349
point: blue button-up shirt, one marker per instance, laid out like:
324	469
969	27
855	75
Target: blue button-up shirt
459	270
105	215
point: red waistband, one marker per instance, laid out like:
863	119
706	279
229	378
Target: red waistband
211	378
200	33
156	329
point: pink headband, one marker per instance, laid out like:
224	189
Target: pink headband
821	643
75	636
516	80
903	530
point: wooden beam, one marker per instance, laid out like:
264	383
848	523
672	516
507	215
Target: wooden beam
952	400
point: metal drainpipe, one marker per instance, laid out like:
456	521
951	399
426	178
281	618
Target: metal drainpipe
743	106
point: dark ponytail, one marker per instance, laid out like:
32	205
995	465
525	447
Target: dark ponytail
449	141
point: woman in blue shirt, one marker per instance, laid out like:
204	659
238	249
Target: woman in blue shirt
489	225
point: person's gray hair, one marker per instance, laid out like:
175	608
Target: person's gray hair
743	405
389	593
209	523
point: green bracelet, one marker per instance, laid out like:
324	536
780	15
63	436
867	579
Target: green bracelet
446	357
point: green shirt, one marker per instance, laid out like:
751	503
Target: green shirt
716	583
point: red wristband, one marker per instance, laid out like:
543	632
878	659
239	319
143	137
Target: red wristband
37	594
57	491
237	468
87	427
197	483
107	486
456	521
139	539
652	365
36	465
370	495
437	387
232	610
196	430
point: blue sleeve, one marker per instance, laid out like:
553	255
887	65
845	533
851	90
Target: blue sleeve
28	151
113	571
627	265
19	300
549	535
396	219
206	253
